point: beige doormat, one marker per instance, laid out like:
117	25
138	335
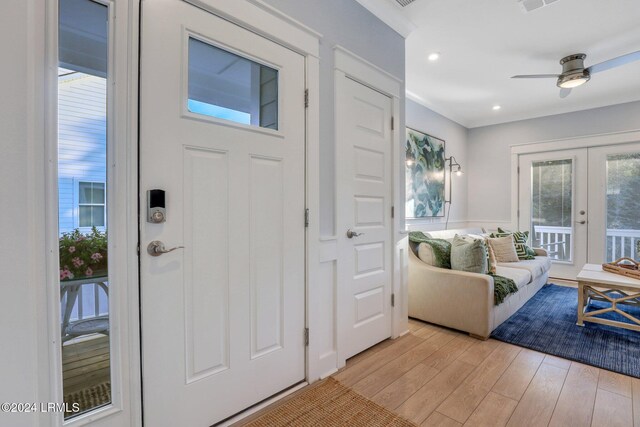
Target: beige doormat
88	398
329	404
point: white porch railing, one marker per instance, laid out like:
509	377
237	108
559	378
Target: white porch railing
91	302
557	241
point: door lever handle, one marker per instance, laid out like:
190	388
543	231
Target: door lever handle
156	248
351	234
582	222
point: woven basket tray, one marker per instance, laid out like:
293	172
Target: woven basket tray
629	270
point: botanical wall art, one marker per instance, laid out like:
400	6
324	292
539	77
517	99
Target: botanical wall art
424	175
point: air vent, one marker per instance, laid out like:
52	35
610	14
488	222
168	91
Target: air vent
529	5
404	3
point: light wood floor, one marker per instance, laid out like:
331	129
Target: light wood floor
439	377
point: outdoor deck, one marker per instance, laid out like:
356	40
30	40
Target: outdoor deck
85	364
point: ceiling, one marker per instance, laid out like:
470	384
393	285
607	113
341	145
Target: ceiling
482	43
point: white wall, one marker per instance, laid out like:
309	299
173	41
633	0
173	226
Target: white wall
22	253
489	171
455	136
345	23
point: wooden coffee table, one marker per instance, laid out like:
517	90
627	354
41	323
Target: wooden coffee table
598	285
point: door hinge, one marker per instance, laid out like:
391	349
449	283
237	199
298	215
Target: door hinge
518	170
393	300
138	248
392	212
392	124
306	337
306	98
306	217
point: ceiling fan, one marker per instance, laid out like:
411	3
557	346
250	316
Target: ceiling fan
575	74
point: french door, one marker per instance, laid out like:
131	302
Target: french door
222	155
581	205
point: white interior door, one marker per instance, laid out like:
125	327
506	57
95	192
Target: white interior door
364	215
614	202
553	207
222	132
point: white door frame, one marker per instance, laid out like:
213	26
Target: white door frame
349	65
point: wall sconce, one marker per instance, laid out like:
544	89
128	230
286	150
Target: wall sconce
458	170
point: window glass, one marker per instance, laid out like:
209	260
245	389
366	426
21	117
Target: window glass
91	204
230	87
551	207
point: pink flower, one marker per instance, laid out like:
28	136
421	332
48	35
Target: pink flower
65	274
96	257
77	262
72	249
89	272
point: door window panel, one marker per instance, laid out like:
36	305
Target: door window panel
82	203
551	207
623	205
229	87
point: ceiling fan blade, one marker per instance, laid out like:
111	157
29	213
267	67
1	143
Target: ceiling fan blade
536	76
615	62
564	92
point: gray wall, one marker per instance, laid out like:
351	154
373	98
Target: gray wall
455	135
348	24
489	149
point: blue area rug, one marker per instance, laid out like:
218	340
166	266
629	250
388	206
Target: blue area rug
547	323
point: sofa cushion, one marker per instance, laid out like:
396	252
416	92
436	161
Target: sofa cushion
503	248
469	254
537	266
521	276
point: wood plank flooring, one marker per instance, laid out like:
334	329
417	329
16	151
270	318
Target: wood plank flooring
85	364
438	377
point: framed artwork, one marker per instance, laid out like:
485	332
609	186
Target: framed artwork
425	175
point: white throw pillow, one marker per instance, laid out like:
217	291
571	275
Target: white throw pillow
504	248
425	253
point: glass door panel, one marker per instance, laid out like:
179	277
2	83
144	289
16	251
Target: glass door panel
623	206
82	202
551	207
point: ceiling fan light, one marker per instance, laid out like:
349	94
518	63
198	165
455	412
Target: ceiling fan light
575	80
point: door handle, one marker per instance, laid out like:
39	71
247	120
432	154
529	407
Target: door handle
582	222
351	234
156	248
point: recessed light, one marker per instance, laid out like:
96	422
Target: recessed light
496	107
433	56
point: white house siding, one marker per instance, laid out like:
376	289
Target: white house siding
82	130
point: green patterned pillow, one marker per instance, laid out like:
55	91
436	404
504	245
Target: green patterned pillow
520	239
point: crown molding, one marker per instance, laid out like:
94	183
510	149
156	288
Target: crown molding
390	15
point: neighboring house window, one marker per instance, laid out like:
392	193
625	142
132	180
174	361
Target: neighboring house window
91	204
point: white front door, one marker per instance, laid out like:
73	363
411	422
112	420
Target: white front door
364	215
222	133
553	207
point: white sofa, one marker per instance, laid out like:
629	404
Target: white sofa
464	301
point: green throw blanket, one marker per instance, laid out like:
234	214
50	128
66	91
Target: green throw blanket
502	286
